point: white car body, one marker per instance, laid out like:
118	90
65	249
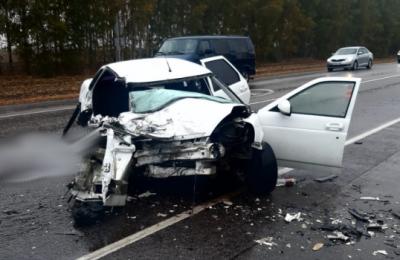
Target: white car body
203	129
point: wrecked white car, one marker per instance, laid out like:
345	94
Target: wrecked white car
168	117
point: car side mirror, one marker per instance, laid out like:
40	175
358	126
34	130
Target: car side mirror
285	107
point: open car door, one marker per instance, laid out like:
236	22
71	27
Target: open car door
229	75
308	126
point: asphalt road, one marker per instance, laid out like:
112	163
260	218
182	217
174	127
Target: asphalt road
35	221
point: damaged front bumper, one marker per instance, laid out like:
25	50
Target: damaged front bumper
106	179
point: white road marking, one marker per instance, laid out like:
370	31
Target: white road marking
263	101
42	111
372	131
152	229
388	77
261	92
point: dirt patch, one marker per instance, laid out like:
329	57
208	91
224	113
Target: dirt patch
19	89
22	89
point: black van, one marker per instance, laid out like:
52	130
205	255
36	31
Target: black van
239	50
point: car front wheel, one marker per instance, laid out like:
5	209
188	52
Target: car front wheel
262	171
355	66
369	66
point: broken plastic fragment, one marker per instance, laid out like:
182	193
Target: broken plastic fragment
288	182
317	246
382	252
290	217
227	202
369	198
146	194
337	235
161	215
266	241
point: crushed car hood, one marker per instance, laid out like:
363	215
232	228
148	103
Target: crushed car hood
186	118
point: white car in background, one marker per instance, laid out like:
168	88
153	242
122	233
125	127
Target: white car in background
350	58
165	117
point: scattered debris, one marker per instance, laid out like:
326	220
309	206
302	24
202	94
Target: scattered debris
382	252
370	198
287	182
396	214
337	235
10	212
161	215
358	215
70	233
266	241
374	226
325	179
146	194
317	246
358	142
227	202
290	217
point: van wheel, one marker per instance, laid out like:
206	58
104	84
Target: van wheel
262	171
246	75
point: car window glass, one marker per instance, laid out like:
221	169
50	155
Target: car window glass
220	46
324	99
223	71
204	46
238	45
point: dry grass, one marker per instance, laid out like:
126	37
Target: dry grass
20	89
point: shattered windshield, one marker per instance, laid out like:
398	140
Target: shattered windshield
151	100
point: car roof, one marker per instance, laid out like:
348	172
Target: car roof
211	37
157	69
352	47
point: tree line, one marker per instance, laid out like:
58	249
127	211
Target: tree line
69	36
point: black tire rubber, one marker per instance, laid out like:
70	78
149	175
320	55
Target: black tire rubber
262	171
87	213
355	66
369	66
330	69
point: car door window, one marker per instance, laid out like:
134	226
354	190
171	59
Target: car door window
204	46
324	99
223	71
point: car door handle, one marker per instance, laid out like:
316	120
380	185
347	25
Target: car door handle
334	126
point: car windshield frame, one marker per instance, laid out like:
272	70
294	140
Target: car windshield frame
174	46
232	97
346	51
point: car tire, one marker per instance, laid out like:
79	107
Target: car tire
330	69
369	66
262	171
355	66
87	213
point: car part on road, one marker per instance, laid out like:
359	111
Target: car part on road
327	178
